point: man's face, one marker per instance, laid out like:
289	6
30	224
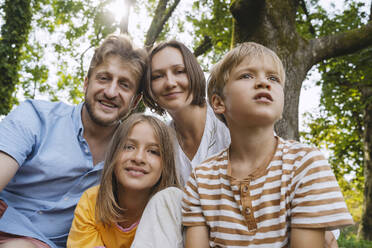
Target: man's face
110	92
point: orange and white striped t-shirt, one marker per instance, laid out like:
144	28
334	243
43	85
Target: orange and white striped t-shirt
297	189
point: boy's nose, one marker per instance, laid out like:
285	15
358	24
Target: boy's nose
262	84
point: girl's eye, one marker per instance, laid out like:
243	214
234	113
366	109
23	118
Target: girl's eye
154	151
128	147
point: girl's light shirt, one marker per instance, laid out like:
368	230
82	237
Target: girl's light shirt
216	137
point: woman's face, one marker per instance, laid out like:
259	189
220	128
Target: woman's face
169	81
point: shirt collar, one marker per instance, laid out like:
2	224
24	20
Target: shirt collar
78	123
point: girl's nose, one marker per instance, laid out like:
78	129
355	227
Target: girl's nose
139	156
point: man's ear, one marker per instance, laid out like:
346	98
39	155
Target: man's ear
86	82
218	104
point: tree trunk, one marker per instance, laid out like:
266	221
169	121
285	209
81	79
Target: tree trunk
365	228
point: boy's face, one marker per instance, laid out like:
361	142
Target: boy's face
253	94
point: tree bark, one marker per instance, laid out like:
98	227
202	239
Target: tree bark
365	228
161	16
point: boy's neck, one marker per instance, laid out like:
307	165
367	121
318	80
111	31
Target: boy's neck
251	150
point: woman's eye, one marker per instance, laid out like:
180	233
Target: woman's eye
180	71
155	76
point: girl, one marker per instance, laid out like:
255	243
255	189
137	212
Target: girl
176	84
139	163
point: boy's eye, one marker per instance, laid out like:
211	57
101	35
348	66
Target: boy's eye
274	78
245	76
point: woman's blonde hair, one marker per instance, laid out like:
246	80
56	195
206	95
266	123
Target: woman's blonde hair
107	208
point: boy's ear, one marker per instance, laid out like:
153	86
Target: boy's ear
218	104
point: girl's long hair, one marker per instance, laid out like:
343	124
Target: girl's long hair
108	210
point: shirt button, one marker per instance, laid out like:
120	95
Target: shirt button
247	210
40	212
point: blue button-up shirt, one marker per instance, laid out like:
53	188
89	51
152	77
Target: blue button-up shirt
55	168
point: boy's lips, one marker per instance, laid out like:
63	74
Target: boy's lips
263	96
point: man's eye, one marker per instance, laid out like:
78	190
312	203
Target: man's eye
125	85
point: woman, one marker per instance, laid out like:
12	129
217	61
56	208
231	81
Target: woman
176	85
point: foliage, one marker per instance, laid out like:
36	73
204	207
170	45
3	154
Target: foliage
14	34
212	19
348	239
339	125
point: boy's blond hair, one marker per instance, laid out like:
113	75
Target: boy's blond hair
220	73
108	210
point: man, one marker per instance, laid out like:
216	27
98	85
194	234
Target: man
50	153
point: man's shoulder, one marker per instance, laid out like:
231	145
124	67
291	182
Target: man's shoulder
47	107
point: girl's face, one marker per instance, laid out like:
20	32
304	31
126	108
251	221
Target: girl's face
169	81
139	165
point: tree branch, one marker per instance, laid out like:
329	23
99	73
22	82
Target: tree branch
341	44
204	46
162	14
304	8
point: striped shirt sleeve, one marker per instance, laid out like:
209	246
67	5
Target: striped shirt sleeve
192	214
317	201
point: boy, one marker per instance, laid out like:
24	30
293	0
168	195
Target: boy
262	191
